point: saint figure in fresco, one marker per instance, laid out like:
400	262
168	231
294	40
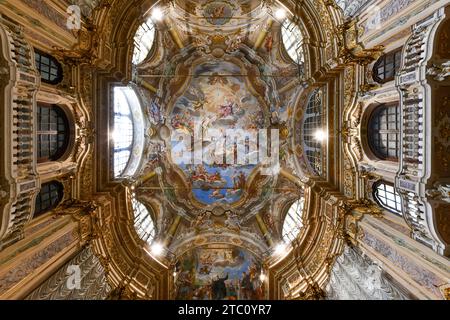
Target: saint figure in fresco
246	286
226	110
219	289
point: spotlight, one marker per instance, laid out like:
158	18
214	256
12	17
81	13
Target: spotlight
320	135
157	249
280	14
157	14
280	249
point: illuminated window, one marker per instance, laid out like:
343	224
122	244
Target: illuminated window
387	66
387	197
123	130
52	133
127	131
384	132
49	68
292	40
143	41
143	221
293	221
311	125
48	198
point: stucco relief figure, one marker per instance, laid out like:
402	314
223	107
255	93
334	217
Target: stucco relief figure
232	222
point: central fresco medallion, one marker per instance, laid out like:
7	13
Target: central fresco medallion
217	98
218	12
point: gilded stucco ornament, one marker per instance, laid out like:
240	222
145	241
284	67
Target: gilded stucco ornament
446	291
367	87
117	243
312	292
441	191
440	72
84	212
122	292
354	211
353	51
4	195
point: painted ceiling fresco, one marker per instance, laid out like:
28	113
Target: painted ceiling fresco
208	75
219	273
217	81
215	101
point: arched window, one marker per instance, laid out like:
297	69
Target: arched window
49	68
52	132
123	129
384	132
293	221
143	221
127	132
143	41
387	66
313	134
387	197
49	197
292	40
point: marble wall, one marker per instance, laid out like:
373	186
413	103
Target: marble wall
351	7
63	285
355	277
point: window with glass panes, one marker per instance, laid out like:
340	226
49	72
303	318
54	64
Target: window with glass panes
387	66
292	40
384	132
52	132
143	41
293	221
49	197
386	196
311	123
49	68
123	129
143	221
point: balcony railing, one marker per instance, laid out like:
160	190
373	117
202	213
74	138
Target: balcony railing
18	125
415	153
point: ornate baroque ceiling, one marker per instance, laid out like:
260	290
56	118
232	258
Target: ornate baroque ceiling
214	76
218	68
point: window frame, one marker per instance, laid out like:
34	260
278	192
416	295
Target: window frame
375	135
61	114
115	149
379	199
382	63
59	70
58	187
294	230
146	30
313	149
141	215
290	29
